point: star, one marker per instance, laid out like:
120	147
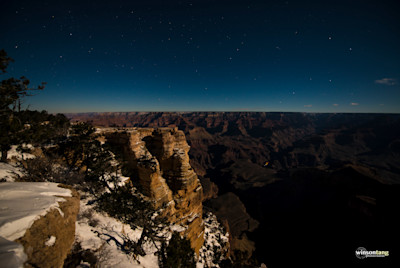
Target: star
172	34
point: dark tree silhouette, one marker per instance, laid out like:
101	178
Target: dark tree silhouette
129	207
12	92
178	253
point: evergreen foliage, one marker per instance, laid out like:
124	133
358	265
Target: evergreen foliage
177	254
12	92
41	128
129	207
74	155
81	153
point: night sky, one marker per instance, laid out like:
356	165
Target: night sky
306	56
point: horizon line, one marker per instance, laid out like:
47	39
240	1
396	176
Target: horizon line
232	111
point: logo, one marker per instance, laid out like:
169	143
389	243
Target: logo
363	253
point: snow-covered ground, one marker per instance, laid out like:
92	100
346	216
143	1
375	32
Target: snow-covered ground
97	232
14	153
216	242
8	172
21	203
104	236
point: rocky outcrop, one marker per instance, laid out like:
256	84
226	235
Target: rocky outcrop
232	212
50	238
49	235
158	159
210	189
304	191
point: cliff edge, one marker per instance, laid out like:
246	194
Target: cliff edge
158	159
37	223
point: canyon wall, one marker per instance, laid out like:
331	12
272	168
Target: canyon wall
158	159
328	175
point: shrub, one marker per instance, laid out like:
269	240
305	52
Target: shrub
177	254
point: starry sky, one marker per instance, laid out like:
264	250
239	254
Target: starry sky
206	55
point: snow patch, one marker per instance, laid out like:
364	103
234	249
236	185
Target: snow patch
61	212
216	243
11	254
8	172
14	153
177	228
21	204
51	241
104	236
24	202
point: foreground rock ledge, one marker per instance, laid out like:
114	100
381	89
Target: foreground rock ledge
48	211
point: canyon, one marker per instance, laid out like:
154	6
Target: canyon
331	179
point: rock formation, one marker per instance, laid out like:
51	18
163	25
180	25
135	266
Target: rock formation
232	213
336	172
37	241
158	159
37	217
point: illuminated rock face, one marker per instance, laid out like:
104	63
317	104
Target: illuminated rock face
158	159
50	228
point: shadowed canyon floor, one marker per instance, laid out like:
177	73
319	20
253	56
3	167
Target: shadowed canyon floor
331	184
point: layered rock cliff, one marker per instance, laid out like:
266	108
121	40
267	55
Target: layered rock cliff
325	172
158	159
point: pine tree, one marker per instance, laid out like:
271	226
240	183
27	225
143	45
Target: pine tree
130	208
178	253
12	92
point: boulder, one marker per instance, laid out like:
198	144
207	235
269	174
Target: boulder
40	217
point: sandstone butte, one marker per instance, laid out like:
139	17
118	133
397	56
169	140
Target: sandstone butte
158	159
